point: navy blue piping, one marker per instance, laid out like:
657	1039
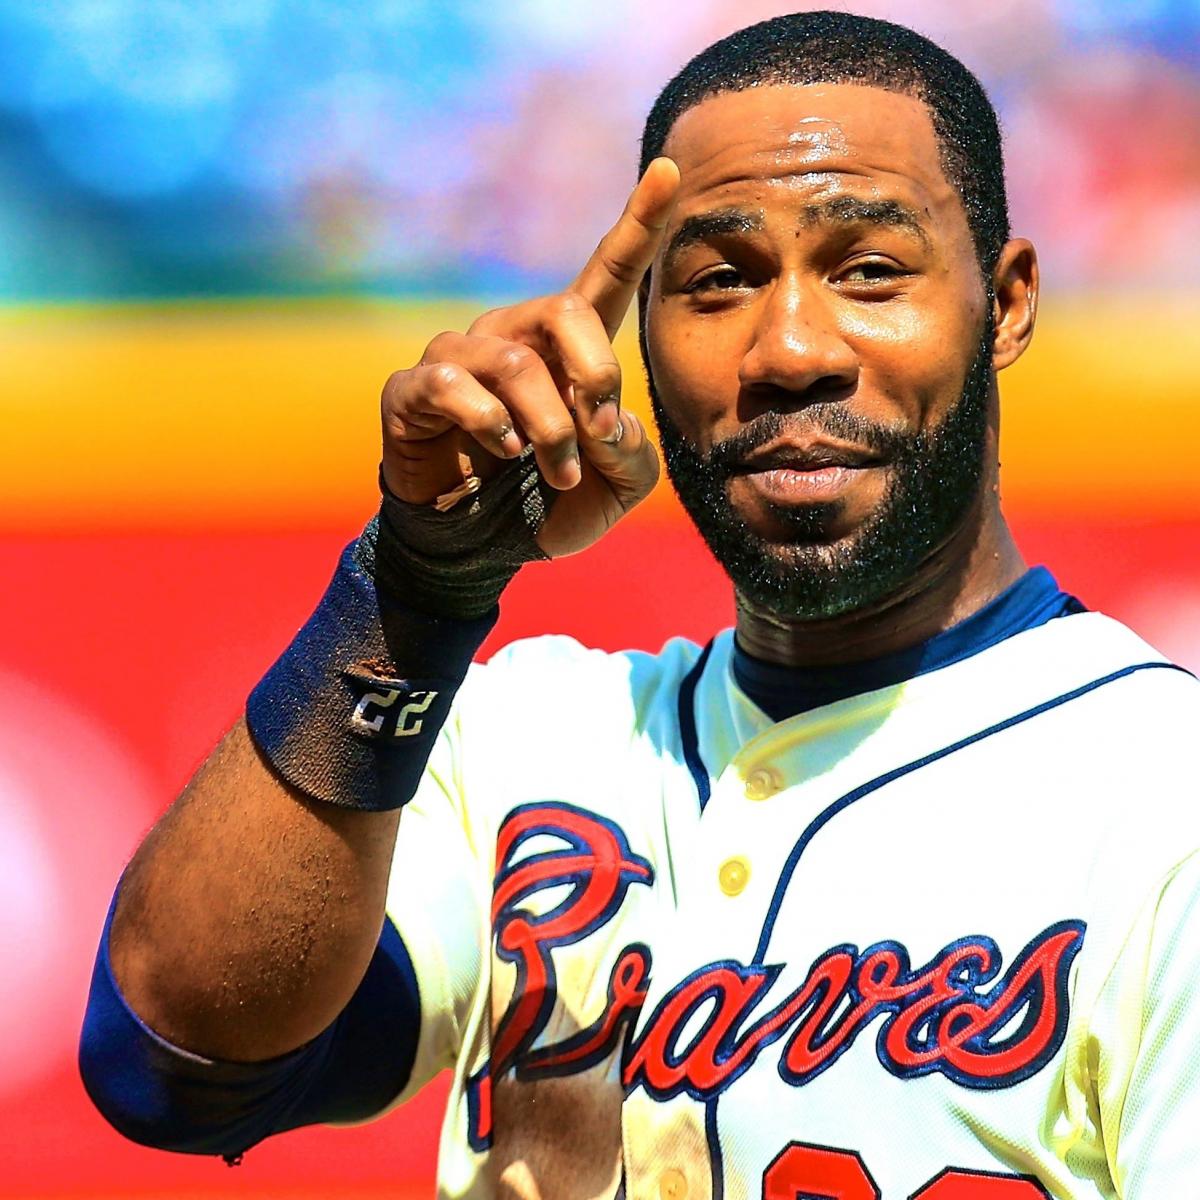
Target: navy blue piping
690	741
714	1149
898	772
688	736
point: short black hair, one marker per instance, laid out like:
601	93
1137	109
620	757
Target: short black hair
835	47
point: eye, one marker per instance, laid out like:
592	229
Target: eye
720	279
872	271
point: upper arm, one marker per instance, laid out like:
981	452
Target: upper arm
1158	1151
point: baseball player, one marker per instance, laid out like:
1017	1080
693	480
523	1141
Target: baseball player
889	892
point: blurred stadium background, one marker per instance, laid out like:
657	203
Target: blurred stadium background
224	222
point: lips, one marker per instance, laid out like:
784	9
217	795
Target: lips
805	456
815	472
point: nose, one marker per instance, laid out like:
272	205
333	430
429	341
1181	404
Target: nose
798	348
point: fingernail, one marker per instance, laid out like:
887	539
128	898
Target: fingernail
606	417
572	472
614	439
510	443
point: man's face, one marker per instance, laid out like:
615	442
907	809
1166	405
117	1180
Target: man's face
818	337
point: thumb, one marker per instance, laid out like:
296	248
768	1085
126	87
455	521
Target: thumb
627	459
617	474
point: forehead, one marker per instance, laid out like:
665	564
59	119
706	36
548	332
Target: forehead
765	145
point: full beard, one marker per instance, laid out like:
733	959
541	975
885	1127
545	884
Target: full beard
935	477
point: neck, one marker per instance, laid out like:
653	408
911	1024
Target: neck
968	571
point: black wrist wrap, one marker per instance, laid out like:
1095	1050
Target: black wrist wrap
457	563
350	711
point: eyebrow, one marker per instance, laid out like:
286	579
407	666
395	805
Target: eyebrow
703	226
841	210
850	210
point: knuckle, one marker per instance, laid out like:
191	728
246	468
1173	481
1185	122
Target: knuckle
483	412
443	377
515	360
487	321
605	379
618	266
394	428
568	303
438	347
644	227
556	435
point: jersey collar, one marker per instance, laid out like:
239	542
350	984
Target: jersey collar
783	692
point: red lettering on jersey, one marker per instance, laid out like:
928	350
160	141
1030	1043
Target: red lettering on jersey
942	1017
948	1016
717	1055
731	995
594	859
965	1023
626	994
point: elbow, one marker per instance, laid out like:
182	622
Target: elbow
152	1109
146	1109
158	1094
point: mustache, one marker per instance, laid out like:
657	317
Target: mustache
828	420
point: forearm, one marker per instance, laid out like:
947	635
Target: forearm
248	916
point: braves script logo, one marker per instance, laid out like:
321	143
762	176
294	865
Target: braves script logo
956	1014
597	863
949	1015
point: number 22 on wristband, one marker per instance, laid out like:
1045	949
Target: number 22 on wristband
803	1172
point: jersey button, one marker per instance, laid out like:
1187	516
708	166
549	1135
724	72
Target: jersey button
762	783
733	876
672	1185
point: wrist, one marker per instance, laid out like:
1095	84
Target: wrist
456	561
349	712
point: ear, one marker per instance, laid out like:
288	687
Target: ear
1015	284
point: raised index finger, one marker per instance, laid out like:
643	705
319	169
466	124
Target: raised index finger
611	276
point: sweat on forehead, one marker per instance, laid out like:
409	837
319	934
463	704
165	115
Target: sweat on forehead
829	47
783	133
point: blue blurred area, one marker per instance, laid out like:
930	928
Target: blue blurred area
159	148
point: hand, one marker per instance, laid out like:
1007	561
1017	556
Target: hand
540	373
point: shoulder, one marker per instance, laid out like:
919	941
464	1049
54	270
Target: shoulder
1116	713
1092	656
1127	750
548	722
550	717
555	671
1134	680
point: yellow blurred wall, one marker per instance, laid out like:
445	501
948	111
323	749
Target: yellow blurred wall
265	415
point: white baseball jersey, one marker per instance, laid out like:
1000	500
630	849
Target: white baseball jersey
938	941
